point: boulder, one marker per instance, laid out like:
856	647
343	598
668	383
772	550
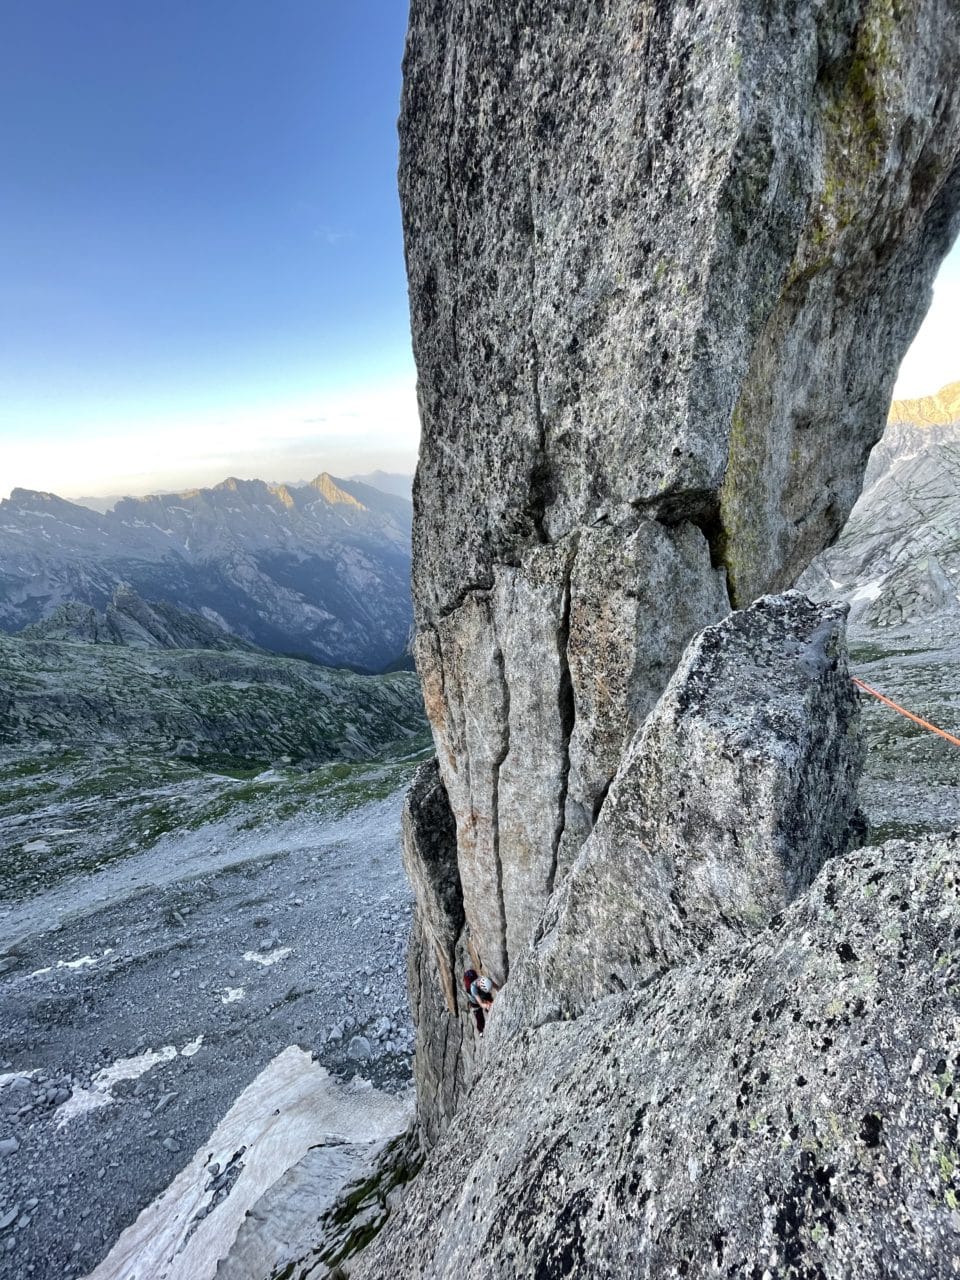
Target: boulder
740	785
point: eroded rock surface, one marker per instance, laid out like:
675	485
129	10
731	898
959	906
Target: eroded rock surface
740	785
782	1106
664	262
898	559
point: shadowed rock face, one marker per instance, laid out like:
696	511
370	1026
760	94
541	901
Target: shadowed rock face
664	260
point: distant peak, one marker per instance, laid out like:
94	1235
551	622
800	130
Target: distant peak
282	491
233	484
38	497
330	490
33	495
934	411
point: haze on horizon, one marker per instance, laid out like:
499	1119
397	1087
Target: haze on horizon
201	262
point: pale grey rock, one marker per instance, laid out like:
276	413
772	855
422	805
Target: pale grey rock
531	607
784	1104
923	589
663	263
359	1047
634	603
461	669
663	267
740	784
898	558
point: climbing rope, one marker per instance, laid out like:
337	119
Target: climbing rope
925	724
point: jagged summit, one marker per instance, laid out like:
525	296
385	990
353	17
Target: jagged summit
940	409
320	568
333	490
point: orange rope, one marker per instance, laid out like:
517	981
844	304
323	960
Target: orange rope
904	712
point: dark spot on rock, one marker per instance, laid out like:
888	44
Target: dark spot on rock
846	953
871	1127
719	1240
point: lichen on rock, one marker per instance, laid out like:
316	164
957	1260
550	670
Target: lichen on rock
739	786
664	260
783	1105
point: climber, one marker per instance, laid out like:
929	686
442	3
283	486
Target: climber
480	992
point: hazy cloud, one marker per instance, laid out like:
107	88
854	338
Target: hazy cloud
332	235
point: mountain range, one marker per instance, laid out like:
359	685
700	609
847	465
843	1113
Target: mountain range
897	560
320	570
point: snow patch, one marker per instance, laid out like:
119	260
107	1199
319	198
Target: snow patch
230	995
266	958
869	591
36	846
99	1094
82	962
292	1107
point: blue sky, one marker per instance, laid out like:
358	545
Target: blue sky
199	230
201	268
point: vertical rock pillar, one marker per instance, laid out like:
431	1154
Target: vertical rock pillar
664	260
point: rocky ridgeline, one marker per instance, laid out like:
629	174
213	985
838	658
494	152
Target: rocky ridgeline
897	560
128	620
199	703
319	569
663	266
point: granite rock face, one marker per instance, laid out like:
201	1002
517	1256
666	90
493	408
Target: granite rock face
664	261
739	786
783	1106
